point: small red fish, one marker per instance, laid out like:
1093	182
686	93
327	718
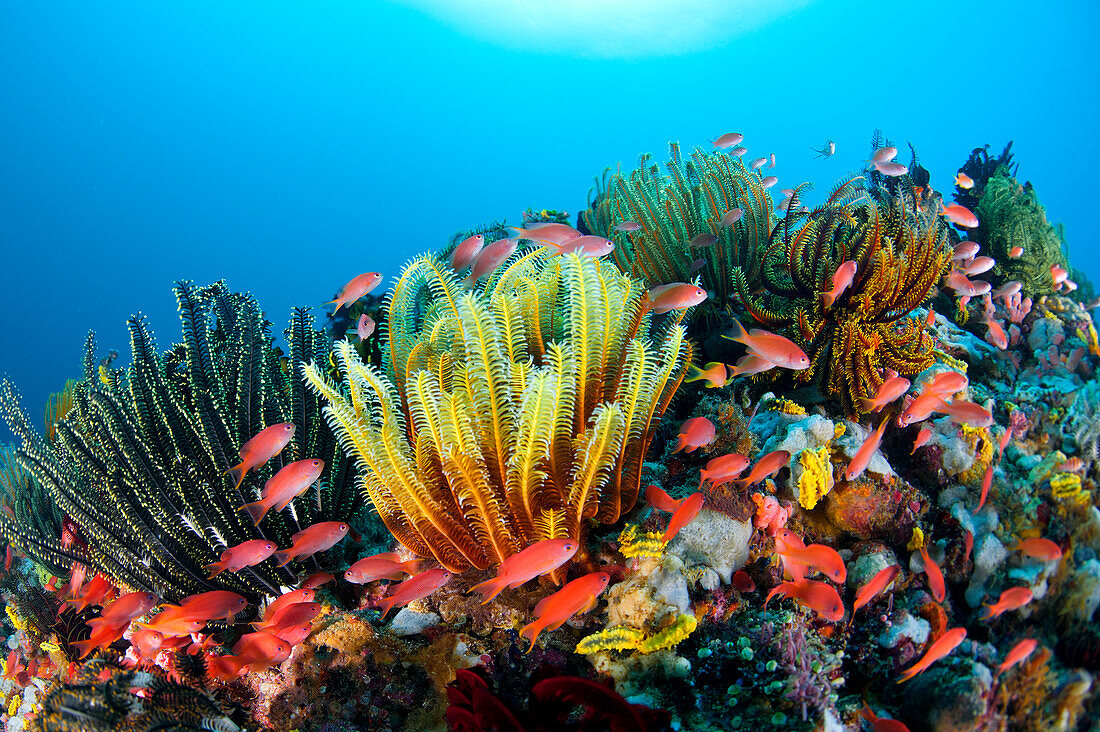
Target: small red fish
674	296
771	347
355	289
317	579
823	558
578	596
943	645
713	373
93	593
889	391
1013	598
364	327
657	498
289	617
287	598
173	622
934	574
987	483
921	440
1058	273
491	257
540	558
729	139
964	412
742	582
995	334
1015	252
253	652
147	643
388	565
465	252
945	383
213	605
267	443
866	451
822	598
416	588
723	469
968	544
1019	652
750	364
1042	549
316	538
875	586
695	433
584	246
842	280
920	409
104	633
689	508
246	554
283	487
129	606
878	724
766	467
964	181
731	217
960	215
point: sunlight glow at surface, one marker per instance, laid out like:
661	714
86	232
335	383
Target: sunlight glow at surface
607	28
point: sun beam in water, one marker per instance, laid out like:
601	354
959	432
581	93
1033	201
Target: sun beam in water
607	28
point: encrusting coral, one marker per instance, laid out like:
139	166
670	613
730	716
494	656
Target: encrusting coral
673	210
900	253
510	414
139	461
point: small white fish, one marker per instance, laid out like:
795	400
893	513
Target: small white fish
891	169
738	151
364	327
883	155
757	163
628	226
729	140
731	217
769	181
827	150
771	160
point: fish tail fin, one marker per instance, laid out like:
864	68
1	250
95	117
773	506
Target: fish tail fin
531	632
216	569
237	473
283	556
694	374
738	332
906	675
827	299
256	511
385	605
868	404
338	304
490	588
411	567
83	647
224	668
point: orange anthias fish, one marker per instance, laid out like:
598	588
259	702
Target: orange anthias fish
245	554
540	558
364	327
550	233
723	469
490	258
93	593
578	596
289	617
283	487
750	364
317	579
945	383
964	181
995	334
1019	652
842	280
978	265
866	451
355	289
657	498
771	347
875	586
253	652
695	433
212	605
965	250
987	483
964	412
267	443
465	252
584	246
104	633
890	390
419	586
713	373
1015	252
310	540
173	622
943	645
920	409
766	467
934	574
287	598
673	296
823	558
687	511
878	724
1042	549
921	440
388	565
960	215
822	598
1013	598
1058	273
129	606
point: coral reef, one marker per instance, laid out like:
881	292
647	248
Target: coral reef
510	415
900	253
139	461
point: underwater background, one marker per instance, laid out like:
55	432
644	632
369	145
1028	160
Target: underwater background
583	366
280	145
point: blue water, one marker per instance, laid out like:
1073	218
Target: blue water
290	146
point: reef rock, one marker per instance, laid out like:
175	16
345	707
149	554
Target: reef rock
716	542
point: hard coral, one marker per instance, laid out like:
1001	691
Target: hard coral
900	252
510	415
